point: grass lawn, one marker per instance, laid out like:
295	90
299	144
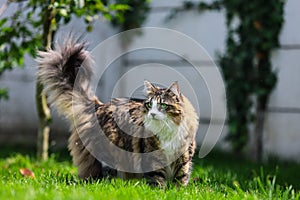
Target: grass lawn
218	176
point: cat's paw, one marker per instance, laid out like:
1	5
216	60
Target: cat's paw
159	182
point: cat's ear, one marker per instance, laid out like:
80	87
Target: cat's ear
149	88
175	89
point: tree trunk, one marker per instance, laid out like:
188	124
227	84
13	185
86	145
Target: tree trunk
44	117
44	114
258	133
264	70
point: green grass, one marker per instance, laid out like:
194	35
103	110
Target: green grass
218	176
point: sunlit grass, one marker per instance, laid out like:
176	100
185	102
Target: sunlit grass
216	177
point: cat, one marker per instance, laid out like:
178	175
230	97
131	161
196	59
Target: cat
157	133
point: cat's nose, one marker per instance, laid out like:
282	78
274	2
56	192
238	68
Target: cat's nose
152	115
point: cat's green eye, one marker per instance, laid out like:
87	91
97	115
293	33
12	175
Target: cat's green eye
163	105
149	104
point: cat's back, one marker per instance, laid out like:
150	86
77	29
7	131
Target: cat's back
191	117
121	120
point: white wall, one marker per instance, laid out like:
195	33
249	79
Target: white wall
18	115
282	135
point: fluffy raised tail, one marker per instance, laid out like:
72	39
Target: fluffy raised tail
59	70
65	73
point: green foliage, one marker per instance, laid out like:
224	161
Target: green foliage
134	17
15	40
253	32
3	93
22	32
253	29
217	176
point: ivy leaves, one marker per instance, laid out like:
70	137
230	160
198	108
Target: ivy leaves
246	64
253	29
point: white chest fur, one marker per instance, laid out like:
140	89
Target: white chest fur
171	136
172	140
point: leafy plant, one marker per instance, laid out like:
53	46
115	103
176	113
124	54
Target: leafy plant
253	29
15	41
33	27
246	65
133	17
26	30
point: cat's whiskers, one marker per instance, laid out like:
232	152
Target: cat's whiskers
167	124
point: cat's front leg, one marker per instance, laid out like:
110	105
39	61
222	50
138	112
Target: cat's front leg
156	178
182	176
183	166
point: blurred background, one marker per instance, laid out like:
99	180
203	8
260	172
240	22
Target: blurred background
256	47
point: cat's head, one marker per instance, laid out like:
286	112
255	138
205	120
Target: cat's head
163	104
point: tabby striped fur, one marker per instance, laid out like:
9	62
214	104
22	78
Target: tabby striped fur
165	115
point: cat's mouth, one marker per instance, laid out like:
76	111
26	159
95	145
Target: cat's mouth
155	118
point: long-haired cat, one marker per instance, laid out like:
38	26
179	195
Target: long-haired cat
152	138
